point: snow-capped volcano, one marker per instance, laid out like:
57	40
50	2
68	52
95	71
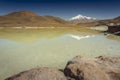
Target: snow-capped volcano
82	19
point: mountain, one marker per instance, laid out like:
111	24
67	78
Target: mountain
81	19
29	19
108	22
116	20
22	14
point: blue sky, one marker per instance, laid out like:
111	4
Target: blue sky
100	9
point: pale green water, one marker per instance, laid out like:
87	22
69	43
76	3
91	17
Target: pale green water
25	49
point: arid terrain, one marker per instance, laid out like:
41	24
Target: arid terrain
29	19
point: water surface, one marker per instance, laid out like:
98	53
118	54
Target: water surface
25	49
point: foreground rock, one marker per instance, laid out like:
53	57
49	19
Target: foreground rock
110	65
79	68
39	74
99	68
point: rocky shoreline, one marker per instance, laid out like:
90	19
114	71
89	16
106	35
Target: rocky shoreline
79	68
114	30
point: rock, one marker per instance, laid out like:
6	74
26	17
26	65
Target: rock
110	65
79	68
114	30
84	69
39	74
99	68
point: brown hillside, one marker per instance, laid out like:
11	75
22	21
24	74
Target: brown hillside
27	18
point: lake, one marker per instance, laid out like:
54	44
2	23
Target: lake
22	49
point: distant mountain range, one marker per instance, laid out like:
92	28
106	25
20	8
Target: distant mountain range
114	21
108	22
29	19
82	19
89	21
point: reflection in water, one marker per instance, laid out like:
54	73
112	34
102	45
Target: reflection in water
81	37
29	36
24	49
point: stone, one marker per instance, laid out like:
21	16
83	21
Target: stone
39	74
82	68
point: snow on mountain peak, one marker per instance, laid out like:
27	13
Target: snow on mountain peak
82	19
76	17
81	16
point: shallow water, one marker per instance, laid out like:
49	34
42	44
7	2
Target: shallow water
25	49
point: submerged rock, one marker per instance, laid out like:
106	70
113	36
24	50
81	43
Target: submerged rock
99	68
39	74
